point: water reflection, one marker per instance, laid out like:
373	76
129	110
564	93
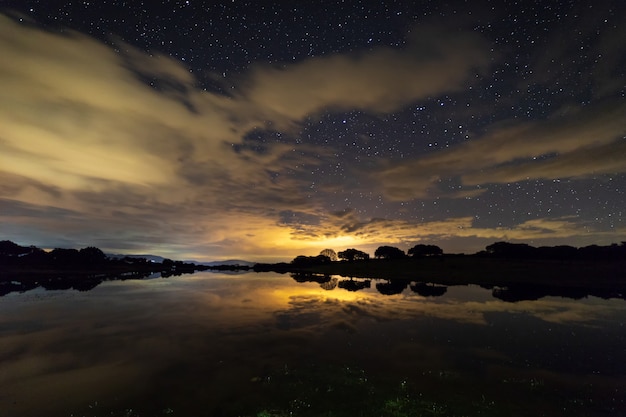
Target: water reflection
535	292
429	290
22	282
513	293
354	285
212	344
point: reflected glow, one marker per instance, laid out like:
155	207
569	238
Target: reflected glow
285	295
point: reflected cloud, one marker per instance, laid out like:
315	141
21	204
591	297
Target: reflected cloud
215	329
354	300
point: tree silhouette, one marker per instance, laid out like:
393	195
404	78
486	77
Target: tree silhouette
391	287
561	252
13	254
353	255
331	254
511	250
8	248
303	261
389	252
64	257
420	250
91	256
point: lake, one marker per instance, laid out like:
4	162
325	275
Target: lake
213	344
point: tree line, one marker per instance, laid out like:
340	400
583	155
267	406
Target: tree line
12	254
509	250
502	250
88	258
352	255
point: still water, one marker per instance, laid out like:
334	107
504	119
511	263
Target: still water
266	344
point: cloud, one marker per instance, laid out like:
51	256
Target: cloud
572	143
71	114
128	143
370	233
379	81
79	115
599	160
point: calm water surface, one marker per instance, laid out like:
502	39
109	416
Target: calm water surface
266	345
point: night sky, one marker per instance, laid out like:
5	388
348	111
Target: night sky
255	130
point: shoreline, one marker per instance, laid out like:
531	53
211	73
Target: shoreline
511	278
490	272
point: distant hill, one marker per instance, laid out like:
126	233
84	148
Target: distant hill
159	259
151	258
228	262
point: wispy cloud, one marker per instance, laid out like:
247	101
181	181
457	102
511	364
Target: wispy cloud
380	81
559	147
370	233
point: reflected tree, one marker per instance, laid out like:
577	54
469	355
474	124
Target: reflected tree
310	277
352	285
391	287
429	290
329	285
517	293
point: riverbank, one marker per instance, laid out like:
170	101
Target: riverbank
489	272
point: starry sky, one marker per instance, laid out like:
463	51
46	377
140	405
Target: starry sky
261	131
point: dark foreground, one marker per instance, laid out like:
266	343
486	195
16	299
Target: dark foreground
272	345
512	279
